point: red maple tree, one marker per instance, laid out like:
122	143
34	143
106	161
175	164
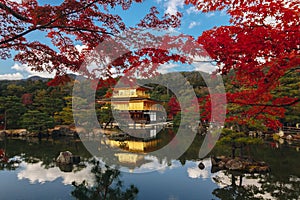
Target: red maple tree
84	22
261	45
174	107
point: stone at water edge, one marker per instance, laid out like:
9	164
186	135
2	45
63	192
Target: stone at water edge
201	166
75	159
67	157
234	164
289	137
64	157
280	133
238	164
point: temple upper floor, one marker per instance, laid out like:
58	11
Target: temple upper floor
130	92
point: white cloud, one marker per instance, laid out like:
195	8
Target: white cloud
195	172
17	1
27	72
165	68
173	5
271	20
223	13
191	10
193	24
14	76
80	47
36	173
211	14
205	67
203	64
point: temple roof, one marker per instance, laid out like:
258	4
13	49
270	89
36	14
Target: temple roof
127	99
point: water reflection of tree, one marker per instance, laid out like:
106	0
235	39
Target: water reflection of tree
264	186
9	165
107	186
281	189
34	151
235	190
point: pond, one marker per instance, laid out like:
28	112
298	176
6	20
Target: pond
32	173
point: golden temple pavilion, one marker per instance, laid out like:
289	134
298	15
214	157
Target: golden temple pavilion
136	100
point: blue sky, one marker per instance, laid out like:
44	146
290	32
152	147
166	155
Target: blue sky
193	23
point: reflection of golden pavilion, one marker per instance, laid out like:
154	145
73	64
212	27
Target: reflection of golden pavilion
129	158
134	145
137	102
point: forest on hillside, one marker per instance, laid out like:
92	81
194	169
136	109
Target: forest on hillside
32	104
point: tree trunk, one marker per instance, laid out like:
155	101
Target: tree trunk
233	148
241	151
241	180
5	119
110	120
233	179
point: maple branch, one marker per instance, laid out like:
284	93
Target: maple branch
73	28
63	39
17	36
267	105
262	109
83	8
14	13
44	26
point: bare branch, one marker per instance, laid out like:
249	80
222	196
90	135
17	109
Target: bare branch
44	26
18	36
14	13
73	28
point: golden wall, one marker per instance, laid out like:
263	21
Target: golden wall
130	93
136	105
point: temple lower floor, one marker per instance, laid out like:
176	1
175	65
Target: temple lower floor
143	116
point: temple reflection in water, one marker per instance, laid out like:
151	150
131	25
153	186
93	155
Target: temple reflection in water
131	149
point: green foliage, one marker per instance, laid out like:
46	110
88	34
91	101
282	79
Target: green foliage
14	89
229	136
104	114
289	86
237	140
177	119
65	116
46	103
36	121
12	109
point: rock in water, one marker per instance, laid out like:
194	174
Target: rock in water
75	159
289	137
65	158
234	164
65	168
201	166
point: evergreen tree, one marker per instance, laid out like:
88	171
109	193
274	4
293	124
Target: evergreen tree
37	122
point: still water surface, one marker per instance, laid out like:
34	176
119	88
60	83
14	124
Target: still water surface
31	172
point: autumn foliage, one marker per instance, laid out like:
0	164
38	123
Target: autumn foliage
86	22
174	107
260	46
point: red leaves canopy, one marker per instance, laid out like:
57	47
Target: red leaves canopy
84	22
174	107
261	45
